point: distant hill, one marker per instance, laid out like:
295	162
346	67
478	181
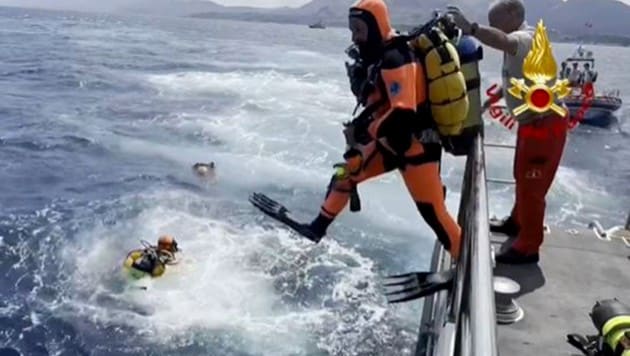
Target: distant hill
581	18
169	7
606	17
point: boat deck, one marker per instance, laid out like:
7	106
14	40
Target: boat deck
576	270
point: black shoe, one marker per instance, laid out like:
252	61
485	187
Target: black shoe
513	257
506	226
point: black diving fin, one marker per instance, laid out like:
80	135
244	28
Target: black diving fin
416	285
277	211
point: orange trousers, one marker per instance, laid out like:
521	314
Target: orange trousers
539	150
420	169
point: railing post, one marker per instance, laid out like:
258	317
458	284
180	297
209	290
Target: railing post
481	298
467	326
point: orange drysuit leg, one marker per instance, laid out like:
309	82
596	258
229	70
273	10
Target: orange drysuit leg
536	162
422	178
339	194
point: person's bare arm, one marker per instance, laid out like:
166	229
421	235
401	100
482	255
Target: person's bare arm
489	36
496	38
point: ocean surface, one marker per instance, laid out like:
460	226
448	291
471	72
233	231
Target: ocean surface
101	119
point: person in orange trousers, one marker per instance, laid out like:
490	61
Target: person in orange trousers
540	137
399	133
539	150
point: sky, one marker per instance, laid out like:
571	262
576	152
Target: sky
91	4
96	5
264	3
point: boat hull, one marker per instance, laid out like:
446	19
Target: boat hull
600	113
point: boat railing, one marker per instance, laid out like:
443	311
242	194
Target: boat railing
462	320
613	93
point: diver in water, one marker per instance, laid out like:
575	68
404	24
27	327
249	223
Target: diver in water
152	260
205	171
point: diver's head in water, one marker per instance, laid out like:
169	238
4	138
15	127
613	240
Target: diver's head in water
205	171
369	23
167	243
507	15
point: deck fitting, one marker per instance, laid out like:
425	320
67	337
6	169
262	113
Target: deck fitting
508	311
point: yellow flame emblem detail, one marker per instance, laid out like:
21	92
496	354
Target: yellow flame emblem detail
539	68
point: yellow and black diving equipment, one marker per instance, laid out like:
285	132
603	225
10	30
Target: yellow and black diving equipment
470	54
612	321
448	99
451	63
151	260
143	263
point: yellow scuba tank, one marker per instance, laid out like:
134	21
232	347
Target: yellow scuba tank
135	273
470	54
446	94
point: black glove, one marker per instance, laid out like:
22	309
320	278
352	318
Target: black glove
357	74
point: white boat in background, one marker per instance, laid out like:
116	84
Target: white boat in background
604	104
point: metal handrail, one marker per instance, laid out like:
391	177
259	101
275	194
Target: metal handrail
499	145
463	323
480	288
501	181
477	319
434	309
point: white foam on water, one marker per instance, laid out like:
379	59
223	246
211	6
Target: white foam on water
286	131
276	292
576	191
247	85
239	279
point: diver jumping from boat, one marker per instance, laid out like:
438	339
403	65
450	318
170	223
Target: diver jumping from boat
395	131
152	260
